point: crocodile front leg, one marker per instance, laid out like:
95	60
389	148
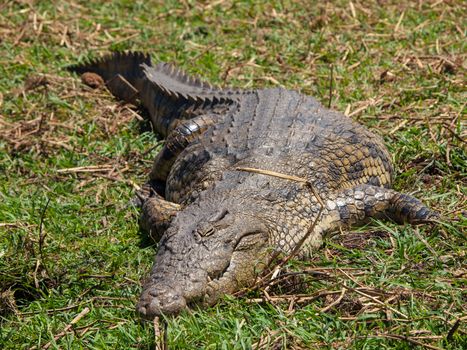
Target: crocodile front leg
356	205
156	215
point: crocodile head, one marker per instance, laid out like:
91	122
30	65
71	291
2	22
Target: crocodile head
209	250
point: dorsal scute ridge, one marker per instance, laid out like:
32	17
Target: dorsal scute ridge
136	68
176	84
106	66
171	80
182	77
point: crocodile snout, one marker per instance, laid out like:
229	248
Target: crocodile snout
155	301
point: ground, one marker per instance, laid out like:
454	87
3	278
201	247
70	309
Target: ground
71	255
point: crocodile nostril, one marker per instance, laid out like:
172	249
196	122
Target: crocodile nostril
157	301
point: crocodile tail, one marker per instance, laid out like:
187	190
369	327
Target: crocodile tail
122	72
178	84
168	93
171	95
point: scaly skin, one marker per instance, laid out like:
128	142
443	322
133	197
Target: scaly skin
221	225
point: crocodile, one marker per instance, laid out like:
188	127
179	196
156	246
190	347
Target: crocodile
244	175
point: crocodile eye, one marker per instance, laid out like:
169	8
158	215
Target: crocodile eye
205	230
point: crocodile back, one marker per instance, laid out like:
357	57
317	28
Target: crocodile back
286	132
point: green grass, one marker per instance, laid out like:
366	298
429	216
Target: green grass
70	241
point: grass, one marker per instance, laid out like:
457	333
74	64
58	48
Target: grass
69	241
